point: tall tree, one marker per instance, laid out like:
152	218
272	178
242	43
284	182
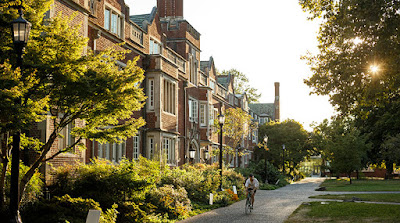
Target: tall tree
342	145
357	65
241	85
289	133
66	85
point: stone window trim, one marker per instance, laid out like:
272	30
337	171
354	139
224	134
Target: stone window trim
169	95
108	21
136	147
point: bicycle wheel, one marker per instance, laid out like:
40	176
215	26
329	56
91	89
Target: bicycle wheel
247	208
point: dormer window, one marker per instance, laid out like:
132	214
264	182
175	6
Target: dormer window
155	47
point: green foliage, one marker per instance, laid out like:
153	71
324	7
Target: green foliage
145	191
64	209
103	181
33	190
342	145
66	82
355	35
174	202
241	85
289	133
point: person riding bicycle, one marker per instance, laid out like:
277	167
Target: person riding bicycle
251	184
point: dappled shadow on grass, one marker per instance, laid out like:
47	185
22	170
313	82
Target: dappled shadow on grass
345	212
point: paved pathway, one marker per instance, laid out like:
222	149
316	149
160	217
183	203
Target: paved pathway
270	206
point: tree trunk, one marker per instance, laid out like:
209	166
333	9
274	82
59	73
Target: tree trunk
389	170
349	175
28	175
2	183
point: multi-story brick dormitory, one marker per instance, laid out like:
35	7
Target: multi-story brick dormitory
184	94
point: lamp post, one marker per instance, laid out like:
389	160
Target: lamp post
221	120
283	159
206	155
20	29
192	154
265	158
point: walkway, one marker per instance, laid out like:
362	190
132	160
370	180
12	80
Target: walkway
270	206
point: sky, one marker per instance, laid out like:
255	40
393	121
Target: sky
263	39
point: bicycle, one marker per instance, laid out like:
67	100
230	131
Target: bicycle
248	206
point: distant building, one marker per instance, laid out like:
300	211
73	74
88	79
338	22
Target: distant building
266	112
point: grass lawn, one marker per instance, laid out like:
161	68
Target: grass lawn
345	212
365	197
361	185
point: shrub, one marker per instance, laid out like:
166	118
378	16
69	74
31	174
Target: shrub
64	209
33	190
222	198
174	202
264	172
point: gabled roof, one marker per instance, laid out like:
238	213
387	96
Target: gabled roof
263	109
224	80
206	64
144	19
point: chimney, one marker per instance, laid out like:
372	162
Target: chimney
170	8
276	102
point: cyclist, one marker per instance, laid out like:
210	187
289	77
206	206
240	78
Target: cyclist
252	184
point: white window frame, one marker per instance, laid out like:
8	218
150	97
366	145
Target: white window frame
109	14
203	114
66	140
154	46
150	100
136	147
150	146
169	149
193	110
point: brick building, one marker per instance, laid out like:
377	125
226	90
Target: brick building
185	94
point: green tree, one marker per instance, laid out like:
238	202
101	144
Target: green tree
238	125
391	153
354	37
342	145
66	84
241	85
289	133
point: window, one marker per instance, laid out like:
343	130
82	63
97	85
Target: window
150	146
150	99
203	114
203	79
113	22
155	47
193	67
136	147
211	115
66	139
255	133
169	149
113	152
93	7
169	96
193	110
212	86
136	35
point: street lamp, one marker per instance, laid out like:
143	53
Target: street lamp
265	158
283	159
192	154
20	29
206	155
221	121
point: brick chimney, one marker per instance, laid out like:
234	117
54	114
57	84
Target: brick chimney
170	8
276	102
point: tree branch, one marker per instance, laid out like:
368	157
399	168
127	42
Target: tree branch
63	150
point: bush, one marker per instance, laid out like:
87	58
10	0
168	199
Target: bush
174	202
33	190
264	172
64	209
102	181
